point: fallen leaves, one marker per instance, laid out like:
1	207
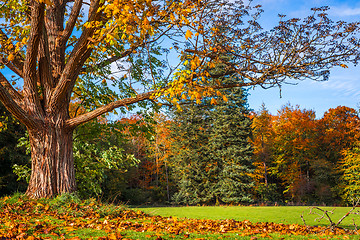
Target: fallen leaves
29	219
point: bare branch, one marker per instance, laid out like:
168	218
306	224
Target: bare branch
71	23
325	214
72	123
355	205
302	218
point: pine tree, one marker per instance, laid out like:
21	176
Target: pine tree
229	142
192	164
212	153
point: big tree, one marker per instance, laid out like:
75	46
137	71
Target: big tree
59	49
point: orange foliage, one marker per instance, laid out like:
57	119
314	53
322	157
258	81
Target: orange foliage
302	152
339	129
31	220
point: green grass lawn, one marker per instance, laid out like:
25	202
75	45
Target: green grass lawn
287	215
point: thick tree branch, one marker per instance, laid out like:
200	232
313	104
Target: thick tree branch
30	73
76	60
12	100
12	67
74	122
45	70
12	92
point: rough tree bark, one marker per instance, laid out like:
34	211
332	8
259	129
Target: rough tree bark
52	161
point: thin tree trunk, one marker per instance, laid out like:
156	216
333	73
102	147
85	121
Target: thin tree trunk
52	162
265	174
167	182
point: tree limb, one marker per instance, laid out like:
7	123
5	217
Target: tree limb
17	64
111	60
12	67
76	60
71	23
45	75
12	92
74	122
12	101
30	74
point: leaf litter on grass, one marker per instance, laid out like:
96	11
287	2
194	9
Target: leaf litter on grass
41	219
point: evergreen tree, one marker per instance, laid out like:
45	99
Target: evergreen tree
229	143
212	153
192	162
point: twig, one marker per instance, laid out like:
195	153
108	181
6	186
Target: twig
325	213
302	218
350	211
355	226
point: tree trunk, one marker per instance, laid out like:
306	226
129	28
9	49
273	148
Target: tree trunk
52	170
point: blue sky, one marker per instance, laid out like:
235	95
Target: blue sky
343	87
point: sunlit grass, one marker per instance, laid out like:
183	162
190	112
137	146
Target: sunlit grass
279	214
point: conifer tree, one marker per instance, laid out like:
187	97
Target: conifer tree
212	153
229	143
193	168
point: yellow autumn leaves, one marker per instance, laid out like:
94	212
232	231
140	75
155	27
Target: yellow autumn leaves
132	21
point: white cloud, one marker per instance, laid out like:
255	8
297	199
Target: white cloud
343	87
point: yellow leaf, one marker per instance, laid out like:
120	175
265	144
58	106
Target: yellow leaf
213	101
11	57
343	65
188	34
225	98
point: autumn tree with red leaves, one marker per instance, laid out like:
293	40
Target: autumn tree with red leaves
59	48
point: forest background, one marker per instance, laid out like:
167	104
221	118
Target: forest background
160	158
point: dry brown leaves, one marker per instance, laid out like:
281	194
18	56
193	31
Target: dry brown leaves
31	220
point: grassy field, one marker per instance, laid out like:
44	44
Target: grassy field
67	217
281	214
